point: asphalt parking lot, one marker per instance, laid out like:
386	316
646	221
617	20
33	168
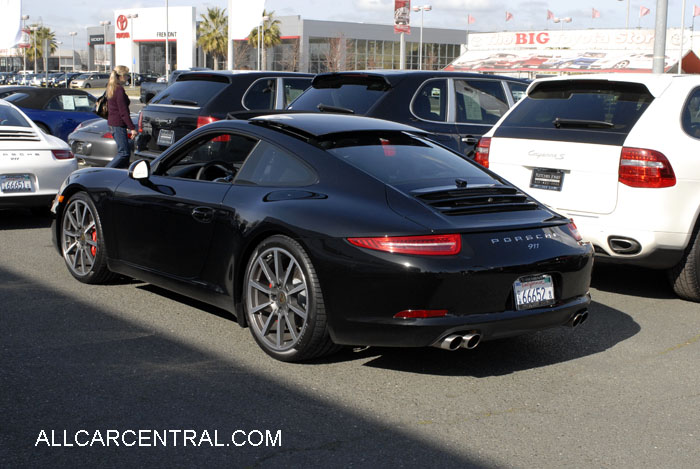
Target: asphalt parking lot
622	390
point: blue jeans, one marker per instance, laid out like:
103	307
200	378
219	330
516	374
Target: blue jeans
123	148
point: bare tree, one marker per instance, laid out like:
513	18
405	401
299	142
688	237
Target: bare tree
290	57
241	54
336	56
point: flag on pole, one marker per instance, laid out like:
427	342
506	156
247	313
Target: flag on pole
509	16
696	11
470	19
550	15
643	11
595	14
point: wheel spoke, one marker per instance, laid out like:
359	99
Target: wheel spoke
276	256
259	286
290	327
279	333
90	227
266	328
259	307
265	269
299	288
298	311
288	272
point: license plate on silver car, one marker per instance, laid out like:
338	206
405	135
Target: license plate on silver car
166	137
16	183
534	291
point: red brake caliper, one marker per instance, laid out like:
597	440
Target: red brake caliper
93	249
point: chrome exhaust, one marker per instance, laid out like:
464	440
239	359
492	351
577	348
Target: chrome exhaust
578	319
470	340
451	342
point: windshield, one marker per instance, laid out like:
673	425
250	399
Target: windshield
82	76
10	117
401	158
357	98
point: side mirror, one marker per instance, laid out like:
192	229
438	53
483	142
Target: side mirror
140	170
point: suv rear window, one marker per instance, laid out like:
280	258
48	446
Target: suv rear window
358	98
190	92
581	104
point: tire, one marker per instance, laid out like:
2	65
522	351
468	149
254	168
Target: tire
82	241
685	276
281	287
87	85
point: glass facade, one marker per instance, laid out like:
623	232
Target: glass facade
152	57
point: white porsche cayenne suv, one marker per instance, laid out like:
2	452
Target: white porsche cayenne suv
618	153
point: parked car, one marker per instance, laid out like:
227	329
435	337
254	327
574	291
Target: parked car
197	98
32	164
150	88
92	141
56	111
618	154
277	218
65	80
456	107
90	80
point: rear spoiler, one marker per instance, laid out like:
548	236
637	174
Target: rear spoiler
336	80
245	115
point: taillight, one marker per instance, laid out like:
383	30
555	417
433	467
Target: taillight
62	154
140	124
204	120
108	135
430	245
421	313
574	231
481	154
640	167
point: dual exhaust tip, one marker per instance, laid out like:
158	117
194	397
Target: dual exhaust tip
468	340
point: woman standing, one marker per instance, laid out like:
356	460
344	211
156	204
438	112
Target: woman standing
119	119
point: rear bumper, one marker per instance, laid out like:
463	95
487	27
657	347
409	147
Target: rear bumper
34	200
426	332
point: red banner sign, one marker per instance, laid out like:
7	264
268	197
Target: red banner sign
402	16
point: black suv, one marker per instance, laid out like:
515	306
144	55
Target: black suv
456	107
198	98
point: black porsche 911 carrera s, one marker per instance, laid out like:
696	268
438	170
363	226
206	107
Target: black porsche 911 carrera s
318	231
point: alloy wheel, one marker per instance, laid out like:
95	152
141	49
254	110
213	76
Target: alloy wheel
79	237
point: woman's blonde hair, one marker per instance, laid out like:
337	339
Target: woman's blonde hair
119	70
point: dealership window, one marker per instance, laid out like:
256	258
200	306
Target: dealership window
152	57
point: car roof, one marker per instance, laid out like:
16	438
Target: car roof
318	124
656	83
37	97
393	76
248	73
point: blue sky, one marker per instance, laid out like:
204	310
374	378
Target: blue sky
76	15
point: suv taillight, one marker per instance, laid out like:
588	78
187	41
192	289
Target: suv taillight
640	167
481	155
140	124
204	120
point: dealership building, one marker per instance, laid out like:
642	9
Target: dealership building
136	38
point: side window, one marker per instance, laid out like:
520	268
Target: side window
269	165
480	101
261	94
70	102
691	114
517	90
214	157
430	103
293	87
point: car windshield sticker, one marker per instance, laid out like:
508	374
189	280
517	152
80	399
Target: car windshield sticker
81	101
68	103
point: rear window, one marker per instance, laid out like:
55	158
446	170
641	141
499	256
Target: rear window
10	117
358	98
398	157
190	92
602	106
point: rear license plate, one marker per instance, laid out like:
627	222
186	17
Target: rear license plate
165	137
545	178
16	183
533	292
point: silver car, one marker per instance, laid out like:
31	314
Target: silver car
93	143
90	80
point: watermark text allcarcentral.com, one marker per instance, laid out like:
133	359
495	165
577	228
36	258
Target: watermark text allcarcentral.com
145	438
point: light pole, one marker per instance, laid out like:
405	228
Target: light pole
132	16
24	27
420	47
561	21
104	25
72	35
34	29
261	43
627	21
167	46
58	44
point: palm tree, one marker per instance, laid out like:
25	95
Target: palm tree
213	33
270	35
40	34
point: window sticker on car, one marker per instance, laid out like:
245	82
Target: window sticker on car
68	103
81	101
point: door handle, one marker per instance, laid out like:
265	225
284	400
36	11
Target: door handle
203	214
470	140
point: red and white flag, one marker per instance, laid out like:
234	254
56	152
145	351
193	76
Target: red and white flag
550	15
471	19
643	11
509	16
696	10
595	14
